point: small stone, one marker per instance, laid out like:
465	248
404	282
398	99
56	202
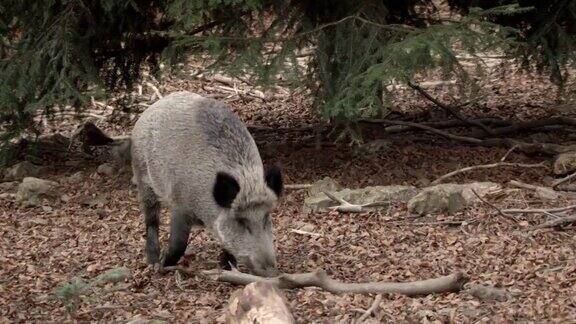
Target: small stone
106	169
114	275
92	201
325	184
47	209
76	177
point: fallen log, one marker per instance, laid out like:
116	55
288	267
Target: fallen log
258	302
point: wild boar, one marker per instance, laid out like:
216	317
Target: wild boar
197	157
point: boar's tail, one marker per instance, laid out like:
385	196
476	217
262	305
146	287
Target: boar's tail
91	135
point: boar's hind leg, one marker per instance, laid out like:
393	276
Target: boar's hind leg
180	225
151	209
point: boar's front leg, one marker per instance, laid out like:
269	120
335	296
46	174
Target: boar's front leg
180	225
226	260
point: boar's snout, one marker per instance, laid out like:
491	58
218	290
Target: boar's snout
264	268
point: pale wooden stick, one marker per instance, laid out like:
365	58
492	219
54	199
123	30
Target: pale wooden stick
319	278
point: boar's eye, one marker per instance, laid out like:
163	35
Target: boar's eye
243	222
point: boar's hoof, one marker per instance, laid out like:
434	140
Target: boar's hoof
227	261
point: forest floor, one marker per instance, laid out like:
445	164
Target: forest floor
41	248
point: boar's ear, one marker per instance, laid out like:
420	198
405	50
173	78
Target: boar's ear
225	189
274	179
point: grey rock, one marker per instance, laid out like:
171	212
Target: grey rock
325	184
565	163
114	275
106	169
21	170
449	197
367	195
10	186
373	147
33	191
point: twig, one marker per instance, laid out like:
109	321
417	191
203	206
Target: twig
297	231
533	124
449	108
565	179
487	166
508	153
298	186
178	268
455	222
345	206
319	278
493	206
557	222
522	185
539	211
370	310
435	124
156	91
543	148
434	130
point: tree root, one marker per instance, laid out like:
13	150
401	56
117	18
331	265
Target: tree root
319	278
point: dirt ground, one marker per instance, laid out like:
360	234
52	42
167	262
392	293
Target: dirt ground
100	228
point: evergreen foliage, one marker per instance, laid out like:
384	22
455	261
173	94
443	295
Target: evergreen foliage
57	52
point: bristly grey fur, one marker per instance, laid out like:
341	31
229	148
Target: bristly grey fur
178	146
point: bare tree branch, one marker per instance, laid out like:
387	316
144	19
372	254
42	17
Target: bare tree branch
436	124
558	222
297	186
493	206
543	148
319	278
539	211
433	130
563	180
370	310
450	109
487	166
531	124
